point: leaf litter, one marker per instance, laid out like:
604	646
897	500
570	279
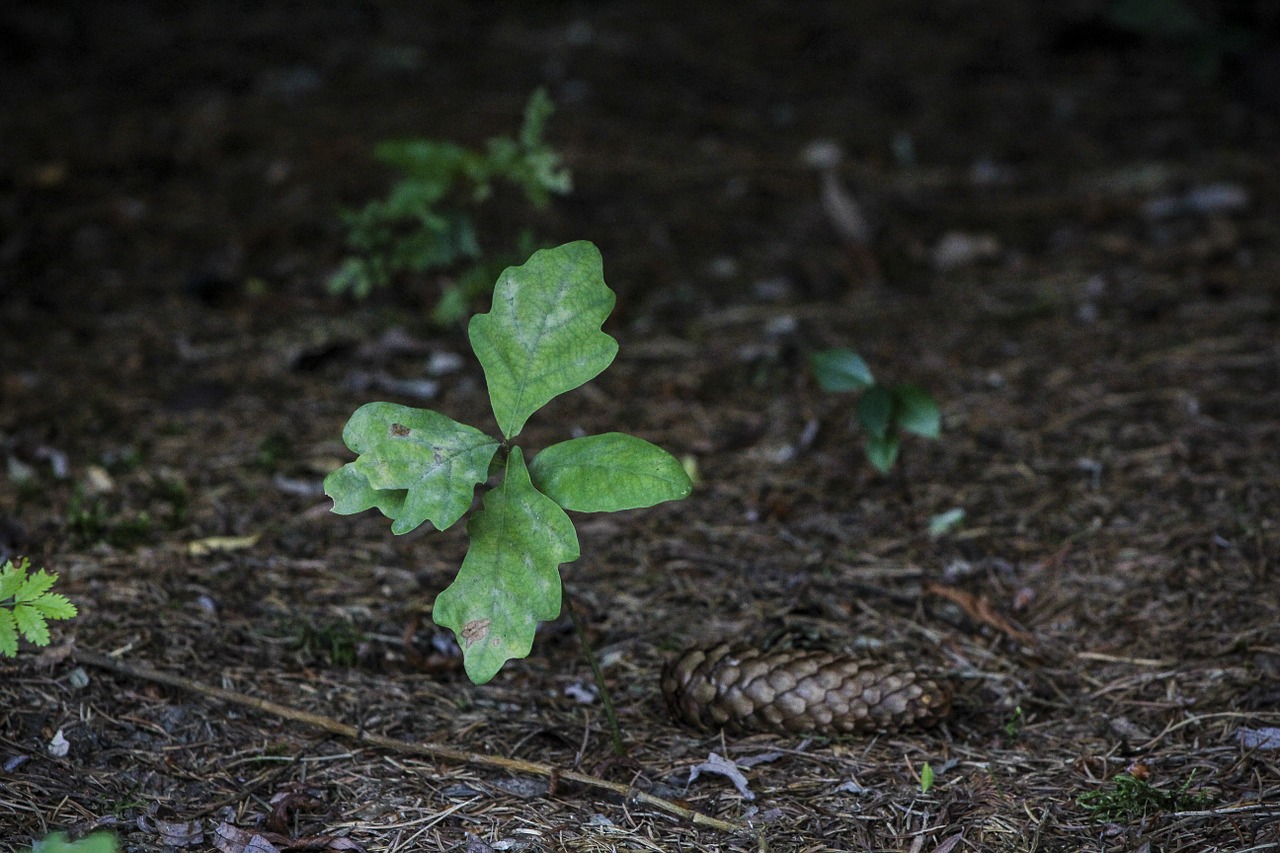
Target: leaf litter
1162	553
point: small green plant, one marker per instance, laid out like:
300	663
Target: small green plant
98	842
26	605
884	413
1131	797
173	493
926	778
1013	726
273	449
338	639
91	522
425	223
541	338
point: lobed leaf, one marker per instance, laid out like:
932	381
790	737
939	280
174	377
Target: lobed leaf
30	623
916	411
352	493
841	370
12	577
34	586
542	336
433	459
510	578
609	472
431	166
8	634
53	605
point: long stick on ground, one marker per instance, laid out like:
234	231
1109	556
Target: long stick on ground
328	724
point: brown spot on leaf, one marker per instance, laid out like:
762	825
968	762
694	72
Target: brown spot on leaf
399	429
474	631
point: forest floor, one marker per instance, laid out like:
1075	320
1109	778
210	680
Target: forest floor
1076	250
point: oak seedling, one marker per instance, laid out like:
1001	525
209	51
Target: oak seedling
541	338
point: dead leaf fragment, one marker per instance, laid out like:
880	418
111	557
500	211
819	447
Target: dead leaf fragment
476	844
949	844
58	745
1267	738
979	608
285	803
179	833
721	766
228	838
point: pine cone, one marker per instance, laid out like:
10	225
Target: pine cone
795	691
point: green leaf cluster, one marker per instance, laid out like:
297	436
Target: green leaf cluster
424	223
884	412
541	338
26	605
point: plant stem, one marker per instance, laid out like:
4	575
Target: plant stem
904	483
614	731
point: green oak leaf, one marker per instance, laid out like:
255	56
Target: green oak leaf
352	493
434	459
609	472
542	336
915	411
841	370
510	578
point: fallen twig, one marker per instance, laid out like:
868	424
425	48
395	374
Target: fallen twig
319	721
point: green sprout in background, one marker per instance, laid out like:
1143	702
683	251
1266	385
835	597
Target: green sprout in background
425	223
541	339
1130	798
1013	726
26	605
926	778
884	413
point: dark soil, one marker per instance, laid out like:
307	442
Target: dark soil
171	370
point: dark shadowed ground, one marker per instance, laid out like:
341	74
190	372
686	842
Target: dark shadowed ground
1075	249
